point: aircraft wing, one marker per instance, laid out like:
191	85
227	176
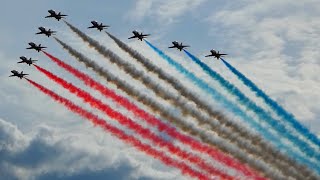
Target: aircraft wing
39	33
183	46
20	62
92	27
209	55
132	37
145	35
24	74
12	75
223	54
42	47
49	16
29	48
172	47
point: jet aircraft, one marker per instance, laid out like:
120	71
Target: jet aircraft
35	47
215	54
45	31
26	60
17	74
55	15
138	35
178	46
100	26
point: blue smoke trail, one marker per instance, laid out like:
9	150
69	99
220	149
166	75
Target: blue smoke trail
236	110
262	114
280	111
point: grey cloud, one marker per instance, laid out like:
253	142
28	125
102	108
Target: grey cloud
44	156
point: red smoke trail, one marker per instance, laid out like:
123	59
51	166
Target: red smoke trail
144	132
185	169
196	145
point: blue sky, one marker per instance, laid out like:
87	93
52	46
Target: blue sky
274	43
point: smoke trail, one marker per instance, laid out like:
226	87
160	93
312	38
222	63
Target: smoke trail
185	169
194	144
176	100
158	108
280	111
229	105
176	84
262	114
144	132
172	98
136	74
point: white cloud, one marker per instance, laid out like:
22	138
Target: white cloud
164	12
275	44
141	9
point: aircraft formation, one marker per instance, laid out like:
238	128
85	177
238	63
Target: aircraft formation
95	25
249	149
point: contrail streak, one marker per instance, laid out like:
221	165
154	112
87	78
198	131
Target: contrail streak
156	107
125	121
277	108
185	169
139	75
176	84
227	104
262	114
150	119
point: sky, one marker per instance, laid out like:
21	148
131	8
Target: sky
274	43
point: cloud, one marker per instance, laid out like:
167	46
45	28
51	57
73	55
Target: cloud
49	154
253	23
120	173
274	43
164	12
141	9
